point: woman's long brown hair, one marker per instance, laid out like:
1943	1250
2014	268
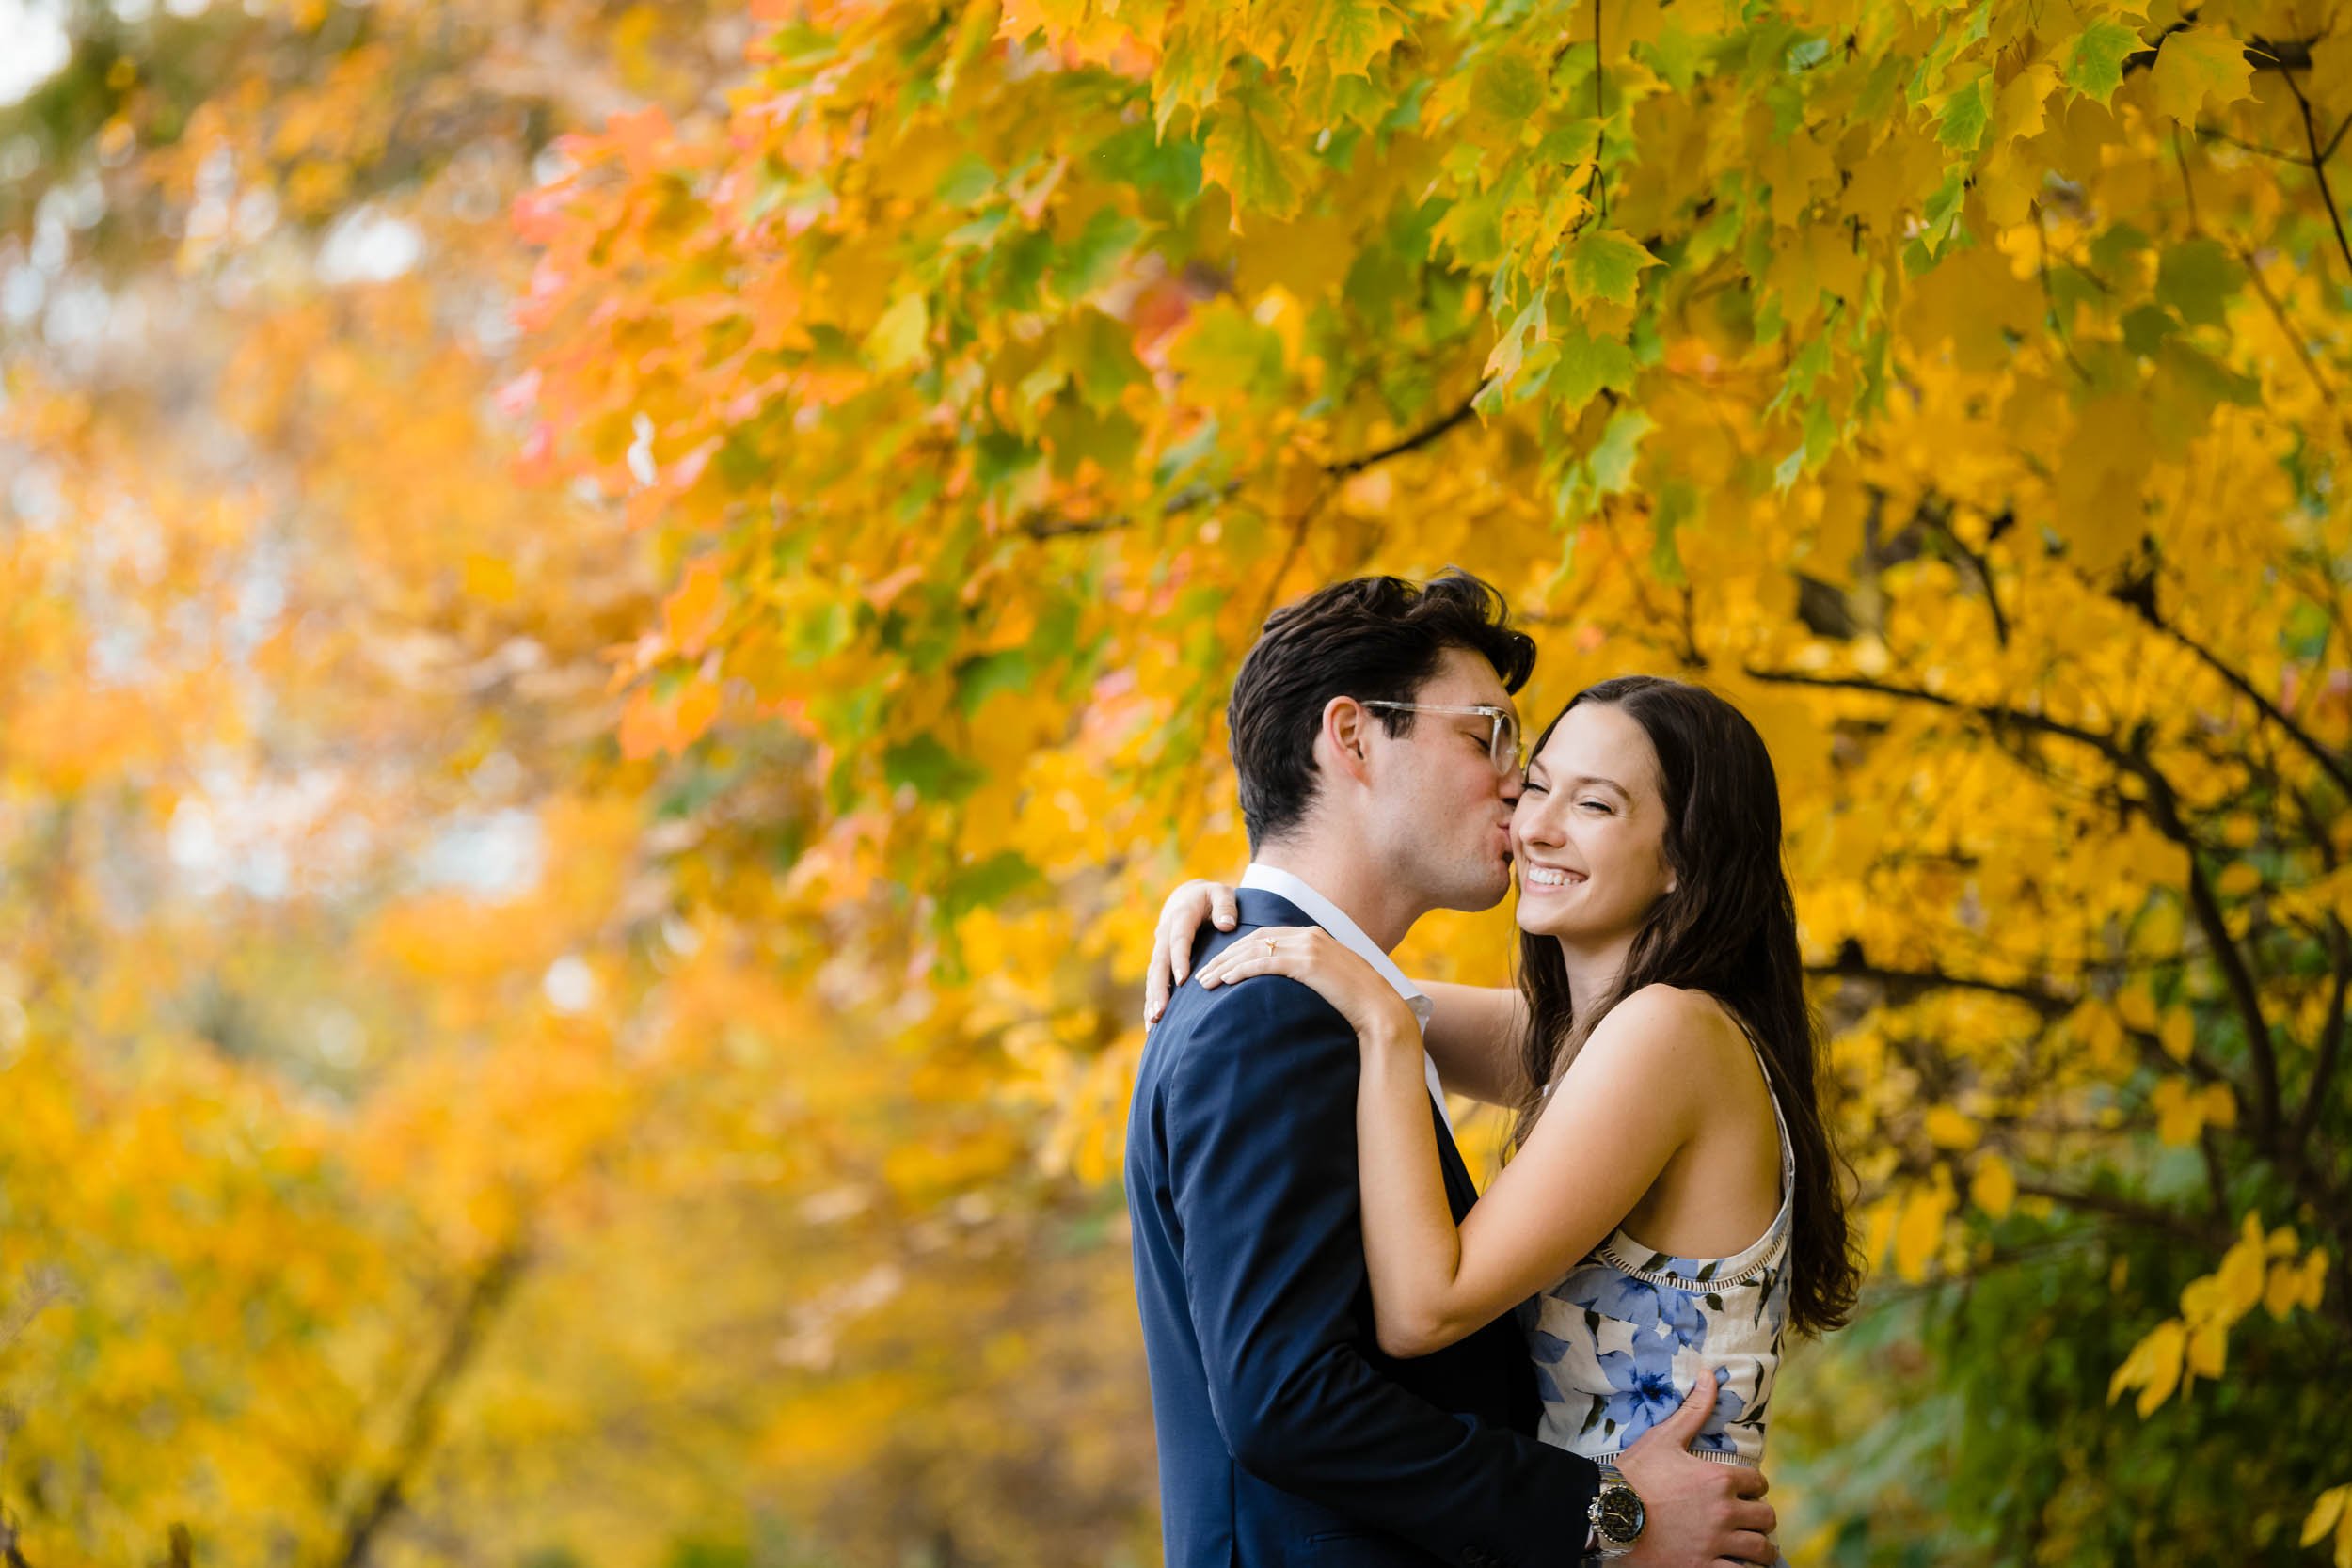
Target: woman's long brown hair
1729	928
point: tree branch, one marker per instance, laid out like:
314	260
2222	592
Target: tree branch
2143	601
1997	714
1904	985
2165	812
2331	1035
1200	496
11	1555
2287	328
2148	1216
2163	809
1414	442
2214	132
421	1427
2319	163
1939	518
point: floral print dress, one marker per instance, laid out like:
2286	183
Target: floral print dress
1630	1330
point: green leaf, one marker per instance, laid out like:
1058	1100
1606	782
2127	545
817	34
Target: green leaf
1247	153
2215	380
984	675
1102	357
991	882
1511	348
1608	264
1675	55
1506	89
1192	65
1094	258
2113	247
896	341
1678	503
1346	34
1620	444
2197	278
2094	67
1135	155
967	182
1966	113
1586	365
2199	65
1224	349
935	772
2146	327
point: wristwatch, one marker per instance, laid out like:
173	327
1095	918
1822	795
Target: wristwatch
1617	1515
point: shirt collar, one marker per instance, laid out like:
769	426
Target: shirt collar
1315	906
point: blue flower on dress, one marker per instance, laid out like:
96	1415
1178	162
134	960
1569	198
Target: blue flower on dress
1640	1390
1638	1304
1714	1438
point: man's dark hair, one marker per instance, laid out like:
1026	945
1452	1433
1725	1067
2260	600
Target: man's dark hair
1374	639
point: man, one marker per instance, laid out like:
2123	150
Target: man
1285	1436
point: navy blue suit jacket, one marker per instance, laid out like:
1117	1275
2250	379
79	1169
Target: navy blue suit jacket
1285	1436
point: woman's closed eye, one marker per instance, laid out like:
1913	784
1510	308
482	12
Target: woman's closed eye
1603	806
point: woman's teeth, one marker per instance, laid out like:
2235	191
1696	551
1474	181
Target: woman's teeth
1544	875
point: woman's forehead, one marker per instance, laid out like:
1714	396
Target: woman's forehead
1601	740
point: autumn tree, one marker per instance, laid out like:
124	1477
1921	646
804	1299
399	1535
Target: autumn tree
404	1158
1958	389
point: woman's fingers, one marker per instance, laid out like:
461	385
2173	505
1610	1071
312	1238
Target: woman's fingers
1172	940
1155	977
1292	946
1187	908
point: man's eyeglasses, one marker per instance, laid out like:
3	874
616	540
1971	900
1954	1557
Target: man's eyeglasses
1503	738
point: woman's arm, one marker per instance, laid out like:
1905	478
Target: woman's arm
1474	1035
1474	1030
1623	1108
1626	1106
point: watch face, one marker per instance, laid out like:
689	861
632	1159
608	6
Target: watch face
1620	1514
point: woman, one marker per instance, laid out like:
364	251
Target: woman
1661	1056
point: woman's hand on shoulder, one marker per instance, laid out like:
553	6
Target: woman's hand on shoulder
1171	943
1315	958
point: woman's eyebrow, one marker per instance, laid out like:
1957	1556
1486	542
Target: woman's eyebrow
1583	780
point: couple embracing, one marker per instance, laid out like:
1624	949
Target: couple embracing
1356	1358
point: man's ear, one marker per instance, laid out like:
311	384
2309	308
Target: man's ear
1346	725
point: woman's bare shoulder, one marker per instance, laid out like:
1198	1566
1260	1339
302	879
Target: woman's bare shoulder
1677	1020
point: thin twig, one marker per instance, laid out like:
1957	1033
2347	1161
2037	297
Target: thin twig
2050	298
421	1427
2163	1221
2319	163
2288	330
2146	606
1940	520
1049	528
2330	1037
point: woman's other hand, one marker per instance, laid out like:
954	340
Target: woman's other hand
1171	944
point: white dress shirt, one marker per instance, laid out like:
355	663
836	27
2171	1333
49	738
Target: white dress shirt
1315	906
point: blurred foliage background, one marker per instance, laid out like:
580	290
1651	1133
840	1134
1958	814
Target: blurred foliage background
613	618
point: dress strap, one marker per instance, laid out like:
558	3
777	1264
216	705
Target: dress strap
1780	1121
